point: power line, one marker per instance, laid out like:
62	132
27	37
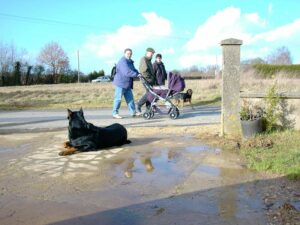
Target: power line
42	20
51	21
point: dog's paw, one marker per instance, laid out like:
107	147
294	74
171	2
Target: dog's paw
62	153
67	144
68	151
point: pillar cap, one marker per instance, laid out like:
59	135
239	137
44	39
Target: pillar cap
231	41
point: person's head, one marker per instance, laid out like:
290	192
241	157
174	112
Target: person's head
158	58
149	53
128	53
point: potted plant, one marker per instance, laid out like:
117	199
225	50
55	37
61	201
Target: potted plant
251	119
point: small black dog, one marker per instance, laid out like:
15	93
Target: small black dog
84	136
184	97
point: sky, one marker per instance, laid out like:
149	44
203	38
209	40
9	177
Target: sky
185	32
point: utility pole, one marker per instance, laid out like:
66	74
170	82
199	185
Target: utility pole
216	67
78	65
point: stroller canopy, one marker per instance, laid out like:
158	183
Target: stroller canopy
176	82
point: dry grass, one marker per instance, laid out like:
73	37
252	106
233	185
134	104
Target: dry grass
261	85
251	81
90	95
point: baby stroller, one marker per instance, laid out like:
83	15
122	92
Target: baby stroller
176	84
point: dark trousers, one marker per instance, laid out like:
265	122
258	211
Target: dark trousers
143	100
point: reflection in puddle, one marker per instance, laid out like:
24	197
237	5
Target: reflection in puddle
131	167
158	165
227	202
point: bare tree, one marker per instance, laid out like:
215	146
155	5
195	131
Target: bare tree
55	59
9	55
4	62
281	56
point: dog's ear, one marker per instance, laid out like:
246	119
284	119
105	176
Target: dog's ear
69	113
81	111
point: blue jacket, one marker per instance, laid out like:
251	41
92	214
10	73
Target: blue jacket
125	73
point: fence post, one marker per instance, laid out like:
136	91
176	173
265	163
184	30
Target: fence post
231	87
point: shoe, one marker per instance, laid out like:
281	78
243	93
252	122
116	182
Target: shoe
138	108
117	116
136	114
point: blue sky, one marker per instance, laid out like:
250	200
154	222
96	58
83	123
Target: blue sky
186	32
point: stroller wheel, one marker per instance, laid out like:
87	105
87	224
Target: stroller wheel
147	115
174	113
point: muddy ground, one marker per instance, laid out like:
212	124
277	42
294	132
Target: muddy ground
166	176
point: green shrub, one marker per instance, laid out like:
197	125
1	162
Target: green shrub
268	71
272	101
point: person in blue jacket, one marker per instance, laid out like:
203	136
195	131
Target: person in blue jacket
123	82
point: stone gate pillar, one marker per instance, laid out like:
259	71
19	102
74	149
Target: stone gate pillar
231	87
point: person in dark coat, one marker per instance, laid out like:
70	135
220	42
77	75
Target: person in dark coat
146	70
159	70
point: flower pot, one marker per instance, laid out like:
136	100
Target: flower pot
251	127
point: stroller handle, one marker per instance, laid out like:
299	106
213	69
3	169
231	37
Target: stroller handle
143	79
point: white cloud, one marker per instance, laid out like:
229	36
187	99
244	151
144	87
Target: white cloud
192	59
227	23
231	23
255	19
105	46
168	51
224	24
280	33
270	8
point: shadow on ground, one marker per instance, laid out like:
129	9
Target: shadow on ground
235	204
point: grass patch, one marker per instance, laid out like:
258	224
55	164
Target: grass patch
283	157
277	152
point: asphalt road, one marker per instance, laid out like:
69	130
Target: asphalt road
48	120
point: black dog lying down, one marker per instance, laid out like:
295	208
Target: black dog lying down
84	136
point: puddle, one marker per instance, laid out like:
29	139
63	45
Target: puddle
14	148
155	169
167	172
296	205
5	150
201	148
214	171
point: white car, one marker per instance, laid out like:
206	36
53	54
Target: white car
101	79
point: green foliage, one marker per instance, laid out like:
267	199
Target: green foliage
268	71
17	73
244	114
95	74
250	111
272	113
